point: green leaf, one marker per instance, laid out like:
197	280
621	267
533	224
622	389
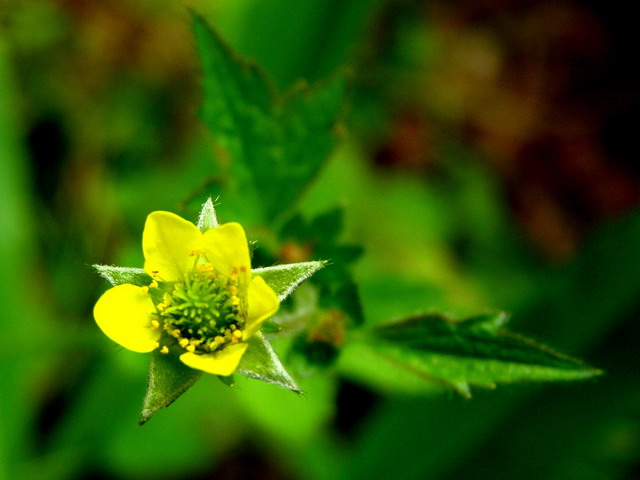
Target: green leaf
261	362
207	218
119	275
343	296
168	378
475	351
279	142
285	278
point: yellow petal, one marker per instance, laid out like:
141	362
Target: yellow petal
167	243
223	362
124	314
263	303
227	249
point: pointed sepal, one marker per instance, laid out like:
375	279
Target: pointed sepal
262	363
284	279
119	275
207	218
168	378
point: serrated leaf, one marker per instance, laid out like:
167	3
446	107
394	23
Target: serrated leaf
261	362
476	351
120	275
281	142
285	278
207	218
168	378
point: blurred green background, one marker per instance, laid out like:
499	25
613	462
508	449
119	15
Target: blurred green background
486	163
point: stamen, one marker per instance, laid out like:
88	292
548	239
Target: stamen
144	289
153	284
183	342
155	324
164	350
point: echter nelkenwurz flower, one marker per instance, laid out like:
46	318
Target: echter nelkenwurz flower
202	303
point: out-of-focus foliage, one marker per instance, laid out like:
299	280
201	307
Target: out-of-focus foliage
487	167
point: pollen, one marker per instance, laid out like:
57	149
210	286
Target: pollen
196	251
153	284
237	333
164	350
155	324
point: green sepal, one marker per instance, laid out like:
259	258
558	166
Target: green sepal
228	380
270	327
261	362
120	275
477	351
168	378
207	218
284	279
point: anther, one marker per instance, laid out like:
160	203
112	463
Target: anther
164	350
190	348
183	342
144	289
154	324
237	333
153	284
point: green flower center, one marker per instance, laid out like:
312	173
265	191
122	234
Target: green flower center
204	312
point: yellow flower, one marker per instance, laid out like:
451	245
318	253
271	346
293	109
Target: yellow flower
203	301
